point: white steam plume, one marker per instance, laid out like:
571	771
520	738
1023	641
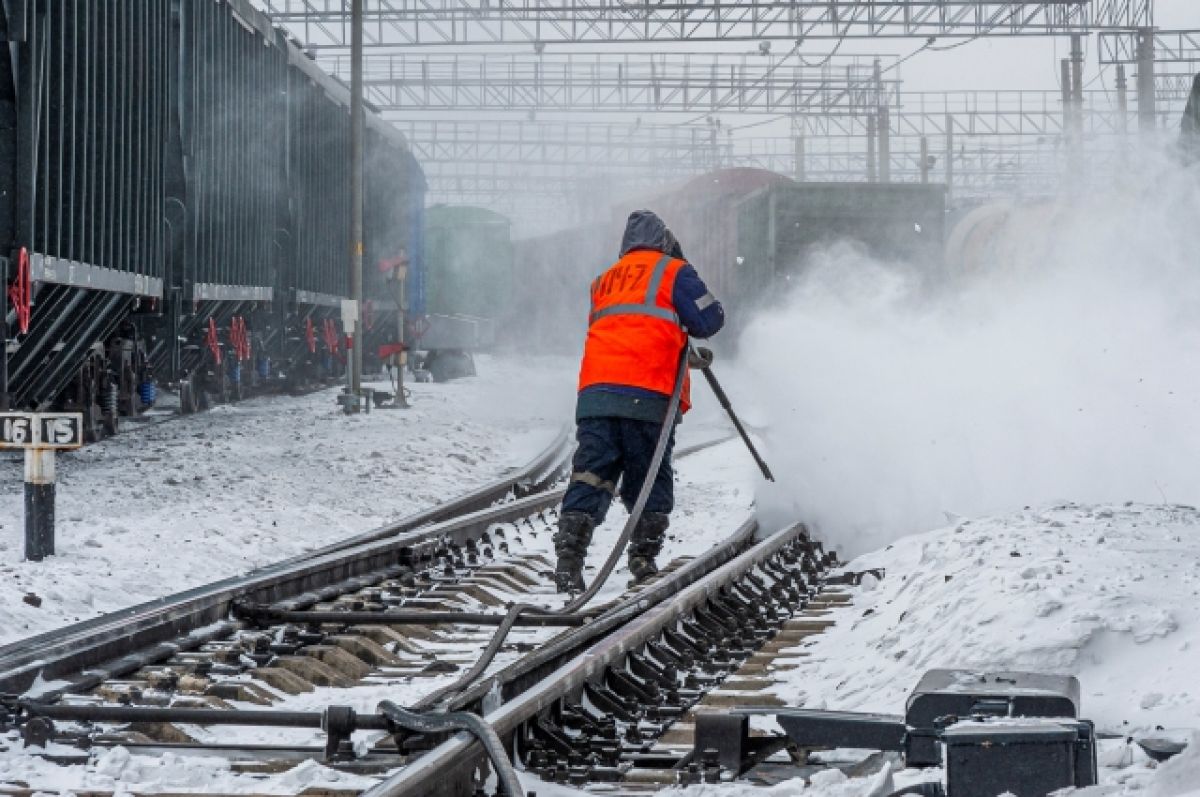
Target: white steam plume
1068	368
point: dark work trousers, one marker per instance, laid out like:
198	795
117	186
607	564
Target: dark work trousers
612	449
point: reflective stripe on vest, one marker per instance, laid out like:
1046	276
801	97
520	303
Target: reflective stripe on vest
649	305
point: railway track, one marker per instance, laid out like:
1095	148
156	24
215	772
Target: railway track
288	663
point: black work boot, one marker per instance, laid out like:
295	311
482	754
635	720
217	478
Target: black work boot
570	545
646	543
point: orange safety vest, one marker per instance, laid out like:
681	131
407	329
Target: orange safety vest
634	336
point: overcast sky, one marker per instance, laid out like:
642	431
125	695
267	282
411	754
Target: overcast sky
1017	63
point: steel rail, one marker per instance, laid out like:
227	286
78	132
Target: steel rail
517	677
538	474
427	775
124	640
532	619
87	653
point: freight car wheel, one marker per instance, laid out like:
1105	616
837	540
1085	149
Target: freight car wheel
88	385
92	423
112	406
217	385
187	397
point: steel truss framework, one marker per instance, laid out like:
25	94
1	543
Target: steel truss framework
1000	140
323	23
621	82
529	145
986	113
1170	47
517	166
1173	86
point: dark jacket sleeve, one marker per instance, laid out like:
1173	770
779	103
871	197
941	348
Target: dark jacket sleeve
699	311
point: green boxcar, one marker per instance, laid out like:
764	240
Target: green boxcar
781	226
469	262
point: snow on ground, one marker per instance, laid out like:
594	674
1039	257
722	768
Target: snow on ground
1102	592
173	505
1105	593
714	492
714	495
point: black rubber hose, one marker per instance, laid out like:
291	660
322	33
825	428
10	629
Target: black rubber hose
435	722
460	721
635	515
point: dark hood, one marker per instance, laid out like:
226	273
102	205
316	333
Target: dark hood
645	230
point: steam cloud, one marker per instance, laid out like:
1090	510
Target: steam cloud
1067	368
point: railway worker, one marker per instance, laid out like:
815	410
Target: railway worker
644	308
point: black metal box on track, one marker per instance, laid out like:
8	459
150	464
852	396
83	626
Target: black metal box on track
1026	758
943	694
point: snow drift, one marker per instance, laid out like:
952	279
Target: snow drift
1067	370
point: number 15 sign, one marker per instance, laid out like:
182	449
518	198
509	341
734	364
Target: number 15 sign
41	430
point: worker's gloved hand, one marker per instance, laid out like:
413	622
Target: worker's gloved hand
699	357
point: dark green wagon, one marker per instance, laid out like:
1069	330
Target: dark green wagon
469	285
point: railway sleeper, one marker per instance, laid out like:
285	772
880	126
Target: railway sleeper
635	722
260	662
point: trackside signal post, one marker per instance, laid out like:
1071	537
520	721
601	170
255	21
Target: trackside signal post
40	434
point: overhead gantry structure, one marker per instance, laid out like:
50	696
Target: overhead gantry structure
622	82
974	141
539	167
323	24
1165	59
849	118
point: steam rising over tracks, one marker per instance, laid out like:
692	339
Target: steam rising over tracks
182	676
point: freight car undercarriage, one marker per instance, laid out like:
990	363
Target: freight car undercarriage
109	355
174	210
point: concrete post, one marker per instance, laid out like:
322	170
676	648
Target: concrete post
356	190
1068	107
924	160
885	145
4	334
39	503
800	165
1077	76
1145	79
949	155
1122	100
871	133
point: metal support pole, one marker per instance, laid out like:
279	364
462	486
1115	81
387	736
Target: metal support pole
1077	72
871	134
1145	79
885	145
1068	107
356	189
39	503
881	122
799	167
401	311
1122	100
949	155
924	160
3	334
